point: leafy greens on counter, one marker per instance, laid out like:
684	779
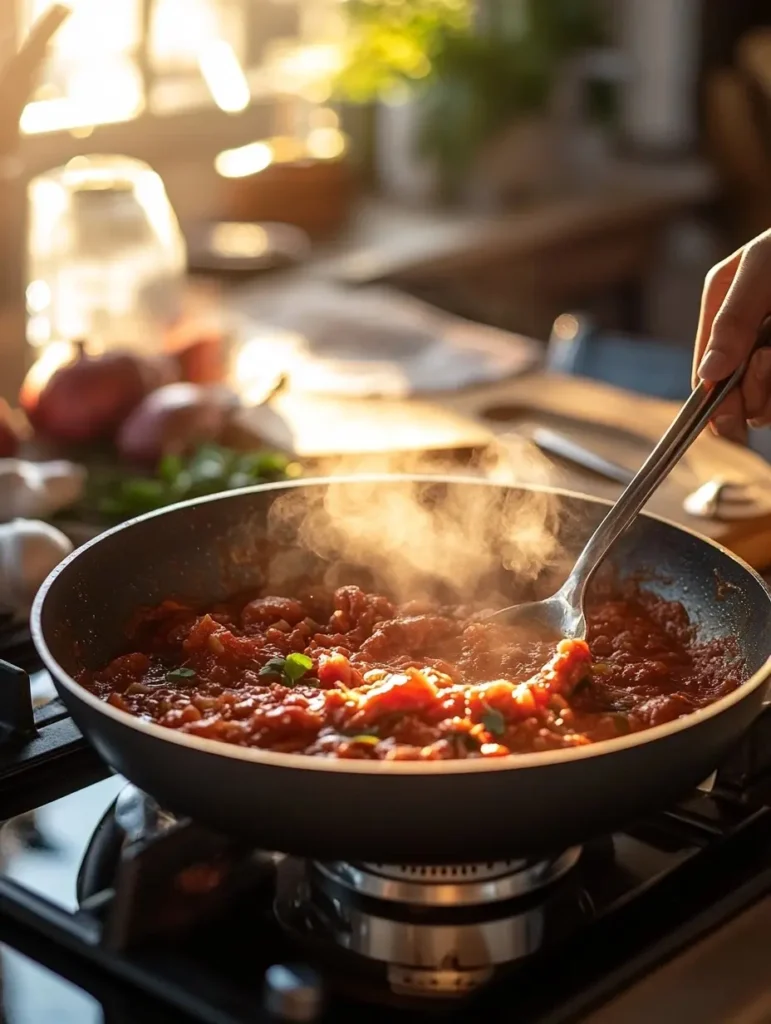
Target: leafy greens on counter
114	496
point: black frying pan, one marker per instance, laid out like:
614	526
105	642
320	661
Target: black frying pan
394	812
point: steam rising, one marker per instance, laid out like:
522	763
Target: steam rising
418	536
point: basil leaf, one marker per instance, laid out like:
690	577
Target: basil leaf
261	464
290	669
179	675
210	463
169	468
493	721
296	665
274	667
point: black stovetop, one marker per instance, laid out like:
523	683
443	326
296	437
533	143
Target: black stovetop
182	924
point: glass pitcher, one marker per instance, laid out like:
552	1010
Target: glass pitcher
106	257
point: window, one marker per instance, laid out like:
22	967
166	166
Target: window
116	61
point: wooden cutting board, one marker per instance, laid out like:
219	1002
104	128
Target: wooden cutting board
620	425
321	427
624	427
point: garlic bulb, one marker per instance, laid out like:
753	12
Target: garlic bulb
29	551
33	490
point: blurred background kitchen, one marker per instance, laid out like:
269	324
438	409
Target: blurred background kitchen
314	230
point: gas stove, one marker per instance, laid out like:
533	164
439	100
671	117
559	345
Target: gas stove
113	909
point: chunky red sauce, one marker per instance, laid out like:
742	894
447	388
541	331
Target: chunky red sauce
352	675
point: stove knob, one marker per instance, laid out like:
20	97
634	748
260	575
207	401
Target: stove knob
293	993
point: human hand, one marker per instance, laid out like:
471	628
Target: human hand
735	301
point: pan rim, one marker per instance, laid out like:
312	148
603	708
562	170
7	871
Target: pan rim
273	759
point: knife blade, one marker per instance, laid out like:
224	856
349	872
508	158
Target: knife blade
552	443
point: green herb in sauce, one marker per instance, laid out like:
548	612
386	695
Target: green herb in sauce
180	675
289	670
493	721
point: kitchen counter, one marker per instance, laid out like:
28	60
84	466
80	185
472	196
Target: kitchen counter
724	979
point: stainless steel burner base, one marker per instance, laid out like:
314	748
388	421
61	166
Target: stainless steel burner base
440	930
473	946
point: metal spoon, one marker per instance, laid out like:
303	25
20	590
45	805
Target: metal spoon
562	614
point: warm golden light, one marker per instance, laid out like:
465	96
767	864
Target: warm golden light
326	143
179	31
57	354
38	296
196	51
246	160
302	67
92	62
260	362
224	76
96	95
245	240
286	149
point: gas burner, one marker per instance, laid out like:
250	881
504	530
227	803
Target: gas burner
438	930
449	885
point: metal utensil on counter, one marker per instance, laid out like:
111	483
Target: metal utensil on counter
563	613
552	443
705	502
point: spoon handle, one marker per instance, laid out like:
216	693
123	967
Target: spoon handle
685	428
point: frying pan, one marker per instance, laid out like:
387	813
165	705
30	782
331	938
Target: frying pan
395	812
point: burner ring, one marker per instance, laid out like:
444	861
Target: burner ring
431	874
449	885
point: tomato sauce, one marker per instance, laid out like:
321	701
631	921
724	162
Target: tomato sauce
349	674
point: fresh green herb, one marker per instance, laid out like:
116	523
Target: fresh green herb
366	740
274	667
289	670
179	675
169	468
116	496
296	665
493	721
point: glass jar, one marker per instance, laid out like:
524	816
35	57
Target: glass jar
106	257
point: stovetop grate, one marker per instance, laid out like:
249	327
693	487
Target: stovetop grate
42	752
691	878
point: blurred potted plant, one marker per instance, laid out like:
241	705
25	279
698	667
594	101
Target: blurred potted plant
480	81
387	57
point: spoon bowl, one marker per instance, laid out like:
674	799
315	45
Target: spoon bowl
548	621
